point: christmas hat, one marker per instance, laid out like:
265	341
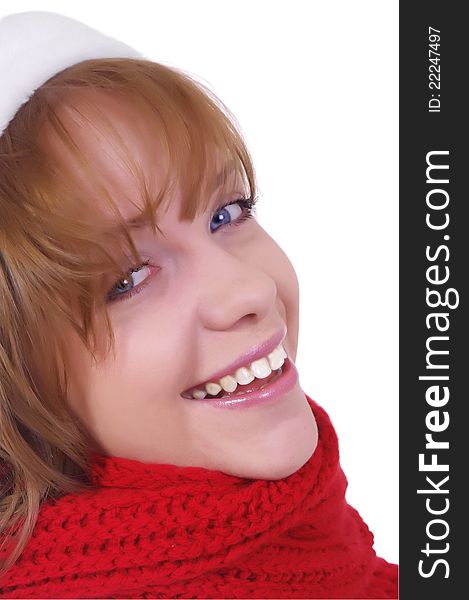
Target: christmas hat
35	45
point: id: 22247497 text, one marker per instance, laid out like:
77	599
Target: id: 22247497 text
434	104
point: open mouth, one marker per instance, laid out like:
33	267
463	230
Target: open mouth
253	386
251	377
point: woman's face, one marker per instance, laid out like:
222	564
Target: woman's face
212	292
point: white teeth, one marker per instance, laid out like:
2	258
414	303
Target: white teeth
276	359
244	376
212	388
228	383
261	368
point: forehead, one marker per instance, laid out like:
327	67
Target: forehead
107	130
120	139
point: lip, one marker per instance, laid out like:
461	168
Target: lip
271	393
257	351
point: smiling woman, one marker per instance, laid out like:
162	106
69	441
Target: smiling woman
188	460
211	286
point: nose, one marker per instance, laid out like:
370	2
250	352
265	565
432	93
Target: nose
233	289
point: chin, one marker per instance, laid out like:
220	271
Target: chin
279	454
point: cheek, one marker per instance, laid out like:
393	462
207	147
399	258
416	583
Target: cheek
277	265
289	296
288	281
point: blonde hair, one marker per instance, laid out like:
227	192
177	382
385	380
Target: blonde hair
55	249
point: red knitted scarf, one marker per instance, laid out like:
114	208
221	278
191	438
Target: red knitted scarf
161	531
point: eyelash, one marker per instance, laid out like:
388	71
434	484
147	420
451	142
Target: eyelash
248	204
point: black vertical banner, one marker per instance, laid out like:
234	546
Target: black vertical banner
434	270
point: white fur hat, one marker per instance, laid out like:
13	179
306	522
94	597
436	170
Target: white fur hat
35	45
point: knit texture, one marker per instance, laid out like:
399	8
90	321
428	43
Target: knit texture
162	531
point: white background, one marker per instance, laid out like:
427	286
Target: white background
314	87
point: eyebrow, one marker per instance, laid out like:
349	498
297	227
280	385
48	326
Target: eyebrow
140	221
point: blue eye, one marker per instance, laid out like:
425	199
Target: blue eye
115	296
235	216
232	213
